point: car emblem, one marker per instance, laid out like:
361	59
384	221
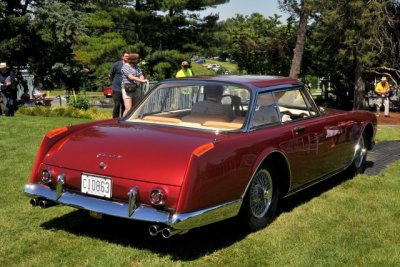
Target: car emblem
104	155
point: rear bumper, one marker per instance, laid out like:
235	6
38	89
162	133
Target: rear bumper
179	221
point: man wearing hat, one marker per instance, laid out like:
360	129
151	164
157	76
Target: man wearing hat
185	70
7	79
382	89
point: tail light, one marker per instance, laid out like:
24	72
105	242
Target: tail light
46	176
157	197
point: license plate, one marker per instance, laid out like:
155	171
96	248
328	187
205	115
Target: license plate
95	185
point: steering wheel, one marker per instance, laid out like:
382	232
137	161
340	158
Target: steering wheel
236	103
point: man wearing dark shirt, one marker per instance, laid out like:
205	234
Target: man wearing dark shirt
116	75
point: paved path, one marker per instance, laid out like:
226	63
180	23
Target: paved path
381	156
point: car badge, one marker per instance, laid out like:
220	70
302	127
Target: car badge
104	155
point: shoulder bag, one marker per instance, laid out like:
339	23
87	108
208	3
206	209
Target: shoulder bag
131	87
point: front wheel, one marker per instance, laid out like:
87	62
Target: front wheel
360	156
261	200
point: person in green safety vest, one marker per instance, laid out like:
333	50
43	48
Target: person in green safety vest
184	71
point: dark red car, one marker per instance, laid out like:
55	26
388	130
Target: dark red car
107	92
199	150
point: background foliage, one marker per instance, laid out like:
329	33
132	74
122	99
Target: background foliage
73	43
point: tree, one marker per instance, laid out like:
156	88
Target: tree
346	39
147	27
301	10
39	34
350	33
388	44
62	37
258	45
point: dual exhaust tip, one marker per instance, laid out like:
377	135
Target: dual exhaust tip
166	232
42	203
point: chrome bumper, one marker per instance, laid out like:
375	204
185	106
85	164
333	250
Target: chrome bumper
179	221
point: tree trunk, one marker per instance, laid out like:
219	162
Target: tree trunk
299	49
359	89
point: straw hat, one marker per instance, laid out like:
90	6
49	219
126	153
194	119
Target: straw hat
3	65
383	79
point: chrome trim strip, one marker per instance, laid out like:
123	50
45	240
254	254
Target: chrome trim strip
181	221
314	182
186	221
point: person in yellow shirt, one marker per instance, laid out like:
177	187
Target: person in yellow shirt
185	70
382	89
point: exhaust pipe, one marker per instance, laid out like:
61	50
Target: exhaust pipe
46	203
168	232
154	230
34	202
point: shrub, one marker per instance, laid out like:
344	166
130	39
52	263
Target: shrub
78	102
69	111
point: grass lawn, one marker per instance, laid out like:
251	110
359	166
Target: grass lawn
341	222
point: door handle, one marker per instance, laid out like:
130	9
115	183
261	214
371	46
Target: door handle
299	129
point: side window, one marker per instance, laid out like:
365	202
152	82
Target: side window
266	110
294	104
170	99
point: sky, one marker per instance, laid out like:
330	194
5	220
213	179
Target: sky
246	7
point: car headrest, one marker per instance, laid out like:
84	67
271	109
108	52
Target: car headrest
265	100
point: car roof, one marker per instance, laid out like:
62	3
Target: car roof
249	80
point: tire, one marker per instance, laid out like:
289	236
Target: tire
360	156
261	200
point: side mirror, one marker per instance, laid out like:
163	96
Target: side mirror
321	110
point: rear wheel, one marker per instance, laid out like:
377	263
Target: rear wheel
261	200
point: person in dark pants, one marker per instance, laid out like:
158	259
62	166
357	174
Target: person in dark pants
116	75
7	79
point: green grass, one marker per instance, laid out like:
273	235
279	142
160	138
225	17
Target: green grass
387	133
353	222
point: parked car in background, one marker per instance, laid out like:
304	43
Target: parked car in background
200	150
214	67
107	92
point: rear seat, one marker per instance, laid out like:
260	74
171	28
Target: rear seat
202	118
215	121
199	120
161	119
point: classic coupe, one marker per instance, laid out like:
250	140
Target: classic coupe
199	150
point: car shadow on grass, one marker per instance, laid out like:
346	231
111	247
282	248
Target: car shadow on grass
195	244
190	246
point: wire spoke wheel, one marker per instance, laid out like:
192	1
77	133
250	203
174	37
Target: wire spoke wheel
261	199
261	193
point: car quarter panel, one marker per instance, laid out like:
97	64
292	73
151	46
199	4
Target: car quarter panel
223	173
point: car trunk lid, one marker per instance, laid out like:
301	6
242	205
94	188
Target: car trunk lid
153	153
